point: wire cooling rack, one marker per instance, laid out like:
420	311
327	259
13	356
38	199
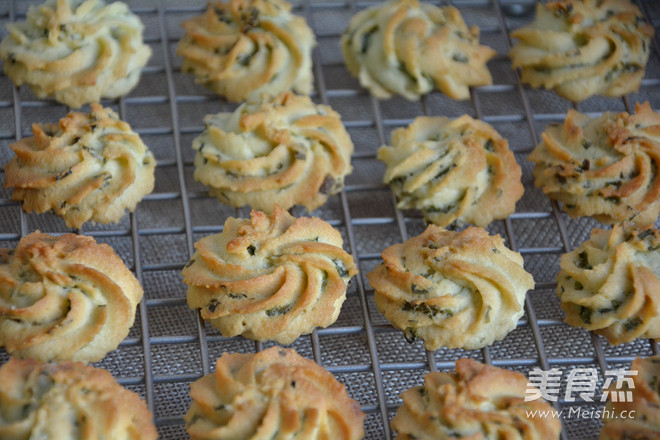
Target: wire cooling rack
169	347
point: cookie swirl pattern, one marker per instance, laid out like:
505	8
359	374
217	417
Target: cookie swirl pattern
605	167
582	48
477	401
68	401
64	298
270	277
90	167
611	284
457	170
275	393
239	48
282	150
452	289
637	416
76	51
409	48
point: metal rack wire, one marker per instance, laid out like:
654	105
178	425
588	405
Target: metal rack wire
170	347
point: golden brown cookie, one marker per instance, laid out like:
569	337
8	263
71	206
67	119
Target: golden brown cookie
452	289
457	170
239	48
610	284
90	167
76	51
283	150
409	48
68	401
637	415
270	277
604	167
476	402
582	48
64	298
272	394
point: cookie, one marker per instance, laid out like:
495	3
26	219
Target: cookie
275	393
409	48
457	170
270	277
478	402
75	51
283	150
636	416
92	167
583	48
610	284
239	48
68	401
451	289
603	167
64	298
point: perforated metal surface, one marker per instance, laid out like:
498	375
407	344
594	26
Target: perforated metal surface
169	347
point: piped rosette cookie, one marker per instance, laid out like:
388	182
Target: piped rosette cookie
270	277
633	406
64	298
610	284
282	150
582	48
409	48
458	170
275	393
453	289
605	167
68	401
90	167
239	48
76	51
476	401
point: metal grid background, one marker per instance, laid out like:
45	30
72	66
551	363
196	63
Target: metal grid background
169	347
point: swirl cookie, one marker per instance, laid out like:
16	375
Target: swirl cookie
68	401
272	394
90	167
76	51
611	284
64	298
283	150
642	401
270	277
409	48
606	167
478	402
452	289
583	48
457	170
239	48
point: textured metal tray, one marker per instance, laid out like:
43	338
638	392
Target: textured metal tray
168	348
